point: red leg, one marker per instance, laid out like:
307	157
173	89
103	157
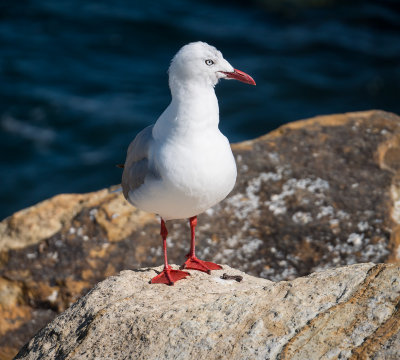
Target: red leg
168	275
193	262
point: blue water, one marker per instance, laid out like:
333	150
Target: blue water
78	79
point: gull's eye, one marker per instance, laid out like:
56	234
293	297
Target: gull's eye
209	62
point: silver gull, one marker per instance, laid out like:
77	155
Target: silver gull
183	165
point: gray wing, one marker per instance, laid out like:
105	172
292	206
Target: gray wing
136	164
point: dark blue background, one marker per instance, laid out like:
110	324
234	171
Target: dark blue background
80	78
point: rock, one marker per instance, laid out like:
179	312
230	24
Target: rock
348	312
312	195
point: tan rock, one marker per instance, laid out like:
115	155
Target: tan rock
340	313
311	195
31	225
10	293
39	222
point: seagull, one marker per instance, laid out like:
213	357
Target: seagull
182	165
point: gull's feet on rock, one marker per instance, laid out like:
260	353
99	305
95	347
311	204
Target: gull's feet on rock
193	263
169	276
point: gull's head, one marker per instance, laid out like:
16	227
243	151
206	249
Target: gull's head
202	64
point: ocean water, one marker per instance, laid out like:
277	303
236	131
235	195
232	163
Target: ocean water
78	79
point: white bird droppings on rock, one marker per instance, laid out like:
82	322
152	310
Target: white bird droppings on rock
302	217
355	239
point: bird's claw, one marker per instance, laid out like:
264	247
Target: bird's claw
169	276
193	263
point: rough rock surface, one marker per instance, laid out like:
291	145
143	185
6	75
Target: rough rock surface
311	195
349	312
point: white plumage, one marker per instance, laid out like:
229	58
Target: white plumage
183	164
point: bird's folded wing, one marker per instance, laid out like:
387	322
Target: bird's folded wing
137	165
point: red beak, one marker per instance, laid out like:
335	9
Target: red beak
240	75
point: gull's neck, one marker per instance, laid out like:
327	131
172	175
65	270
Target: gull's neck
193	109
